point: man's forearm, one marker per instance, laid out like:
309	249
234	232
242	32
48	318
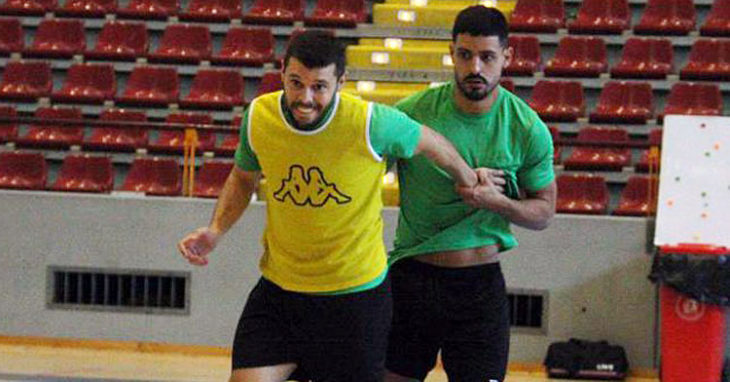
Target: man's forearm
233	200
442	152
534	214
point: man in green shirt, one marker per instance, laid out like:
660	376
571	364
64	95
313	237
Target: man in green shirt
448	289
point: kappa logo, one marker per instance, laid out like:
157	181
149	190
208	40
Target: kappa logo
309	188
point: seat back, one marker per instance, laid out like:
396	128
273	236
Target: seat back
90	80
26	80
694	99
226	9
89	8
8	131
174	139
603	134
83	172
255	45
154	176
218	86
23	170
602	16
270	82
636	197
60	36
211	177
120	38
538	16
11	35
582	193
526	58
146	81
119	138
185	40
667	16
28	7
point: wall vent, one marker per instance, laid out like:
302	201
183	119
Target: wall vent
528	310
119	290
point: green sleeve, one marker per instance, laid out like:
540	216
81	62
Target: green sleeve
245	158
392	133
537	171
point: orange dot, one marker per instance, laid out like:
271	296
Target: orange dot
670	202
704	215
717	146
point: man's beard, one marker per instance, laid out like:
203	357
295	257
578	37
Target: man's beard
474	95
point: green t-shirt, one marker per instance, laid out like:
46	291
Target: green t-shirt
392	134
510	136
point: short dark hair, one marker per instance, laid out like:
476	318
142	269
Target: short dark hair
479	20
317	49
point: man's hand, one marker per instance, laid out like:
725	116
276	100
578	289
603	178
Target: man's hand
488	193
196	246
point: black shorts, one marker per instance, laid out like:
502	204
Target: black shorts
464	312
329	338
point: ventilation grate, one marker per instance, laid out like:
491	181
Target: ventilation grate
527	309
119	290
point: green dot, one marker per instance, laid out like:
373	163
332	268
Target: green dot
677	179
707	154
704	194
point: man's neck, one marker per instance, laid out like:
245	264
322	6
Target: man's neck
475	107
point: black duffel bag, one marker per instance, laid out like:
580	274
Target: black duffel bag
581	359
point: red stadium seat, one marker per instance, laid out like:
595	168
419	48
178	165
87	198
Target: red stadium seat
578	57
11	36
508	84
526	58
655	139
558	100
120	40
624	102
172	141
154	176
120	138
28	7
231	140
694	99
645	58
717	22
708	60
582	194
22	170
213	10
667	17
58	38
26	81
275	12
215	89
85	173
270	82
211	177
602	17
635	197
184	43
8	131
150	9
52	136
88	8
538	16
338	13
151	85
88	83
246	46
600	158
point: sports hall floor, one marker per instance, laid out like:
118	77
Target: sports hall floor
55	363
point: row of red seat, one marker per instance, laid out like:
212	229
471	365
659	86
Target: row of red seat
577	193
86	173
604	149
663	17
622	101
115	139
579	56
147	85
589	194
341	13
128	41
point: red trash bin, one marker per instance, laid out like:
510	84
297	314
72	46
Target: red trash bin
692	332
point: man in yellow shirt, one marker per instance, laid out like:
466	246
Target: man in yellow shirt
322	309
